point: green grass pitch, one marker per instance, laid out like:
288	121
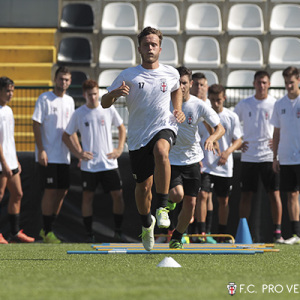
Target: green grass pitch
39	271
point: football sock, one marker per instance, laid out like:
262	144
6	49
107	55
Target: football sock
201	227
277	231
162	200
47	223
88	223
118	220
222	228
209	219
296	227
177	235
146	220
14	220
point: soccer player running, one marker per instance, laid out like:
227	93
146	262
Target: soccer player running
257	156
152	127
52	113
218	170
186	155
286	147
10	167
98	156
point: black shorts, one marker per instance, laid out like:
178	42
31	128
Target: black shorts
142	160
221	185
14	171
110	180
250	175
188	176
290	178
55	176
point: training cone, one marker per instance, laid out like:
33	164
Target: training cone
243	235
169	262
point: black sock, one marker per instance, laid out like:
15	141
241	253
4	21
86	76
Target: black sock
277	231
162	200
201	227
192	227
47	223
146	220
54	217
296	227
14	220
209	219
177	235
88	224
118	219
222	228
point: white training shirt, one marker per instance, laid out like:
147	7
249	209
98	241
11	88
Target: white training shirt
54	113
255	117
286	117
95	127
187	149
204	134
233	131
148	102
7	141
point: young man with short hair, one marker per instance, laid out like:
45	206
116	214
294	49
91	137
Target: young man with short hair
98	156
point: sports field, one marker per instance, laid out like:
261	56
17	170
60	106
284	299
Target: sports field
43	271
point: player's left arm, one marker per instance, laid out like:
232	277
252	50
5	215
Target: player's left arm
122	137
176	98
235	145
216	135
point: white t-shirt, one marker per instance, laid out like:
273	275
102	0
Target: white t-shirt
286	117
148	102
7	141
95	127
255	117
187	149
231	123
204	134
54	113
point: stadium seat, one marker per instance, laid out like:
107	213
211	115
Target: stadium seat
119	18
203	18
277	80
78	77
107	77
245	19
239	78
164	16
211	76
77	17
285	19
117	52
169	52
202	52
75	50
284	51
244	52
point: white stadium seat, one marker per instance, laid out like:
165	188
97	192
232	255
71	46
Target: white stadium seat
211	76
119	18
244	52
284	51
169	52
202	52
277	80
203	18
285	19
107	77
245	19
117	52
164	16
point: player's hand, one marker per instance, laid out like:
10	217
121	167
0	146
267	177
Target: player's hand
6	171
115	154
216	148
223	159
276	167
86	155
43	158
179	115
270	144
123	90
244	146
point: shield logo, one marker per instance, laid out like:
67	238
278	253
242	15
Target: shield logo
231	287
163	85
190	118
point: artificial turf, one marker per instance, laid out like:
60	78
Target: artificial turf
43	271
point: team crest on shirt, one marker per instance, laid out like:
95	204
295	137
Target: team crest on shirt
298	113
163	85
266	115
189	118
102	122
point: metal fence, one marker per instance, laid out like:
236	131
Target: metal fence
25	97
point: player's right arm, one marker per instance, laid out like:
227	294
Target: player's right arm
42	155
5	168
276	138
109	98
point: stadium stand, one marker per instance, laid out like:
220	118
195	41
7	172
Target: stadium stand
285	19
245	19
77	17
169	52
277	80
119	18
203	18
244	52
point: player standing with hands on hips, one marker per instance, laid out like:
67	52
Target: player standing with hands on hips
152	127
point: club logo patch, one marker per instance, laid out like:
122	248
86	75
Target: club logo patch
190	118
231	287
163	85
